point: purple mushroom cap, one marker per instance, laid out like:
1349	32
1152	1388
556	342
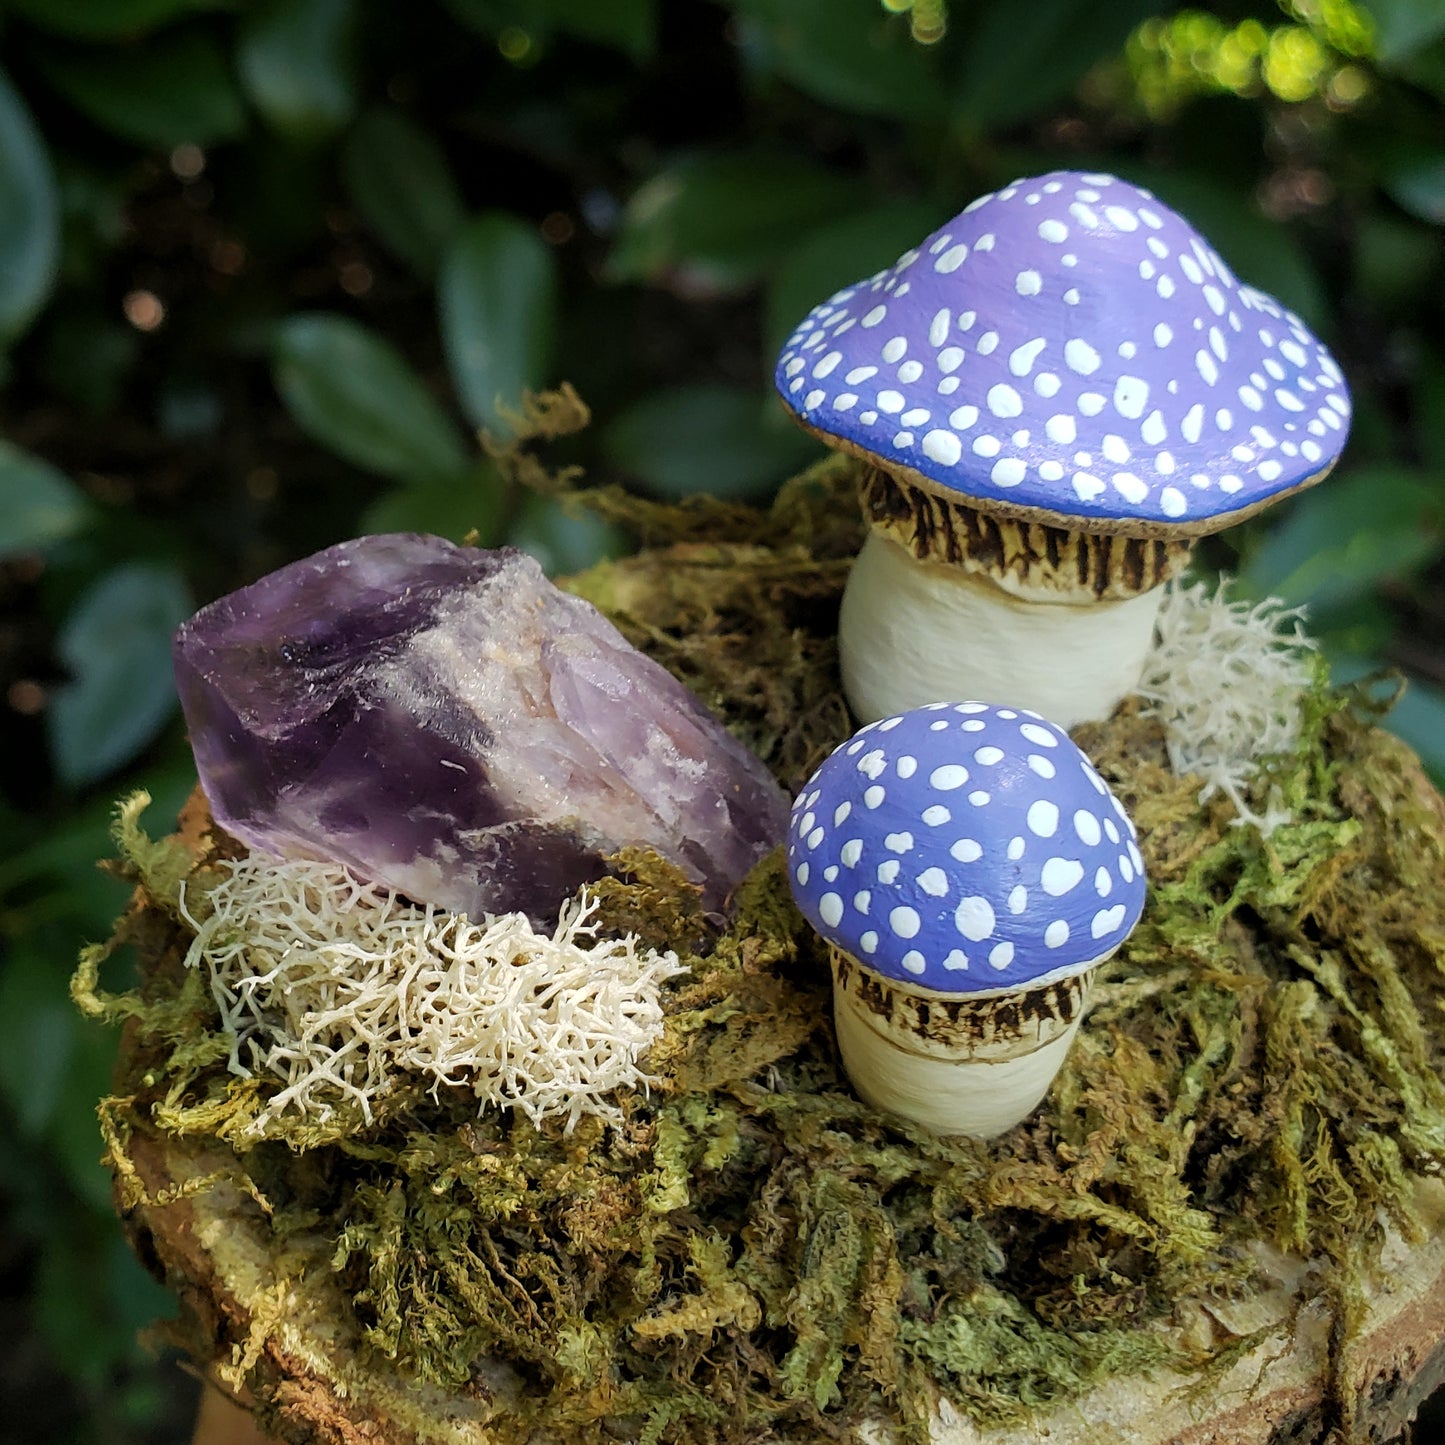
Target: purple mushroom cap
1073	347
965	848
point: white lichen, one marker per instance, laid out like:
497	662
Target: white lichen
338	990
1226	679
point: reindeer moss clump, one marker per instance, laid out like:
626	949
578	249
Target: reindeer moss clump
751	1249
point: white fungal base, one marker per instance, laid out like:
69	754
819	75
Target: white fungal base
335	990
913	632
976	1083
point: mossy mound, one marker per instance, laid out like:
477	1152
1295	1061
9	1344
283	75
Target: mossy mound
754	1254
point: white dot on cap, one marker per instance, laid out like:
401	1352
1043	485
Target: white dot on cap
1080	357
1038	734
802	874
1055	231
875	316
862	899
1041	765
1106	920
1015	850
1060	875
966	850
979	799
974	919
1086	825
868	942
1103	882
909	372
894	348
955	960
873	796
913	961
815	837
937	814
1173	502
934	882
1043	818
948	777
1018	899
1009	471
1001	954
888	870
904	921
1056	934
814	398
1028	283
899	842
938	327
906	766
830	907
1046	384
851	851
1004	401
942	447
951	259
988	755
1021	359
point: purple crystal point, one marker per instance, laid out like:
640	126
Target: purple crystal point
446	722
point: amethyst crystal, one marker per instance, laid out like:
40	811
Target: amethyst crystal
444	721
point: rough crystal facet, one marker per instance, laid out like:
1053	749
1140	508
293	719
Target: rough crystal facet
445	721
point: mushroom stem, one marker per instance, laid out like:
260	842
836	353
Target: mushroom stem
974	1064
912	632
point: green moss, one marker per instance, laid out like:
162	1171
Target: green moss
754	1248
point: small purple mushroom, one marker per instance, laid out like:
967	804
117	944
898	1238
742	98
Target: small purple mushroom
1058	392
970	870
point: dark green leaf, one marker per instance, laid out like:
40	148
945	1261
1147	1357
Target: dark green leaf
34	1064
848	53
564	541
498	298
626	25
835	255
715	439
174	89
355	394
1419	187
402	186
116	644
294	58
722	220
444	506
1022	63
101	19
41	504
1346	536
1405	26
29	217
1419	715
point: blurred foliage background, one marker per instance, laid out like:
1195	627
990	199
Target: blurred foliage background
266	267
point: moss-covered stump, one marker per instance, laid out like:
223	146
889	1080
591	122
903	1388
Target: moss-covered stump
1225	1223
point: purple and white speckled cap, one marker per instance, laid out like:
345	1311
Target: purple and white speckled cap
1071	346
965	848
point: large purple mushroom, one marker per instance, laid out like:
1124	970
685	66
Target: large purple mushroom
1058	392
970	870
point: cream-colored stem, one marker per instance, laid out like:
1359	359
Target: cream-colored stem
980	1096
914	632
